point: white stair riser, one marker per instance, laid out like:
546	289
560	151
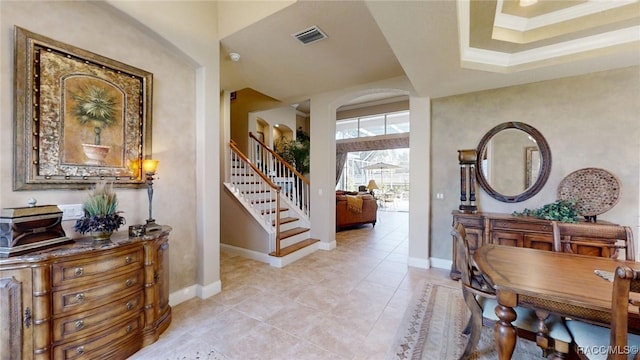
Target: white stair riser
294	239
281	262
289	225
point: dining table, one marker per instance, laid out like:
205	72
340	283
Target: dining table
569	285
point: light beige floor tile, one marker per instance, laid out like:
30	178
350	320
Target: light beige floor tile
346	303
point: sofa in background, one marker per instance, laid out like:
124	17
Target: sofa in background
347	217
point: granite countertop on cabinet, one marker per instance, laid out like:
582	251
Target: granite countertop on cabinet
83	245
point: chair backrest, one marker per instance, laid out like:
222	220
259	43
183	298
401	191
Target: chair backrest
625	281
463	254
593	239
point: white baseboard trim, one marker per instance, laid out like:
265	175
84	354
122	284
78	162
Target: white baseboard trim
182	295
327	245
192	291
254	255
432	262
418	263
207	291
441	263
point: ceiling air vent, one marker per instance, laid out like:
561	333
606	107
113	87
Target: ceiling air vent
310	35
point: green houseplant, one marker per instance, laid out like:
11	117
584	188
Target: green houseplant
295	152
101	217
559	210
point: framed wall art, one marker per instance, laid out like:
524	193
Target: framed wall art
79	117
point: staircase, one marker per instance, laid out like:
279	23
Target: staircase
283	213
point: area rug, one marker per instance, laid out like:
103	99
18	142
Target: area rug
431	329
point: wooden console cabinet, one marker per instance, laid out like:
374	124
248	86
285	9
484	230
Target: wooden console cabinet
87	299
502	229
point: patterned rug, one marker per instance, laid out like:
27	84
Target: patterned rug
432	330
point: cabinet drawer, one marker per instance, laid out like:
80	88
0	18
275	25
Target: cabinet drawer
474	222
81	270
104	344
89	322
97	293
538	241
507	238
543	227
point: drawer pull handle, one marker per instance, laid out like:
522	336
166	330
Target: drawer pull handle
80	349
128	260
79	271
129	328
27	317
129	305
80	297
79	324
129	282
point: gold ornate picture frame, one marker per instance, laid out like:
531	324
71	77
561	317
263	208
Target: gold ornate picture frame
79	117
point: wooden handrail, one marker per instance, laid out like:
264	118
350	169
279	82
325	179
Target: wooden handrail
245	159
276	188
283	161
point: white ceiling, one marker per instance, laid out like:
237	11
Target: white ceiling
443	47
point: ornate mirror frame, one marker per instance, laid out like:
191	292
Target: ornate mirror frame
545	162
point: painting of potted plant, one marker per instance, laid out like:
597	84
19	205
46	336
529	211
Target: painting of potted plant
95	107
101	216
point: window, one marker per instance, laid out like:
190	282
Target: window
347	129
376	125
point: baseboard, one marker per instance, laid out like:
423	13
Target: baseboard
251	254
432	262
327	245
192	291
441	263
418	263
207	291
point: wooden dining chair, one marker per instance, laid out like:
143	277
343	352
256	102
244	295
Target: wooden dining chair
601	240
595	342
481	301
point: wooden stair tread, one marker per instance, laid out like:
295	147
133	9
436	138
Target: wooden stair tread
297	246
285	220
292	232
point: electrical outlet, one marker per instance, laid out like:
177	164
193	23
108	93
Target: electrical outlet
71	211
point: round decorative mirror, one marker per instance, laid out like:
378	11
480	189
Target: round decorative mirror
514	162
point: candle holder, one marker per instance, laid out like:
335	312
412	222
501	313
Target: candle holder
149	167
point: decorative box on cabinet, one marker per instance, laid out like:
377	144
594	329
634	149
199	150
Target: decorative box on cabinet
86	299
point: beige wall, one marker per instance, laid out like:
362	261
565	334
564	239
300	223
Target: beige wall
101	29
246	101
588	121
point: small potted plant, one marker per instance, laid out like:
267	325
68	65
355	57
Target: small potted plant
101	217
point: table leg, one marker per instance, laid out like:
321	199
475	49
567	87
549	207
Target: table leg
542	335
504	331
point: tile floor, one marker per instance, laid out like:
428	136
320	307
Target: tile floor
340	304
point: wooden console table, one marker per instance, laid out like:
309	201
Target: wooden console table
86	299
502	229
